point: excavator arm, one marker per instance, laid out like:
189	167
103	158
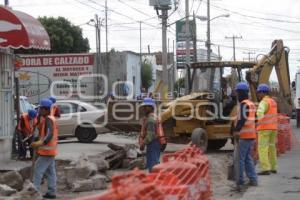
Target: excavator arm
260	73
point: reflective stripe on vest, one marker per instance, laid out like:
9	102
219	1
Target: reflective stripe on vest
49	149
248	131
269	120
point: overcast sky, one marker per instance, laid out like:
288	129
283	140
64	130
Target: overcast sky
258	22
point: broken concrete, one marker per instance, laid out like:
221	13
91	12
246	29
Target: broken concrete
29	192
13	179
82	185
26	172
99	182
5	190
101	163
133	163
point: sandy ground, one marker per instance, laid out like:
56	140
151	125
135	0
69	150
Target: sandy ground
283	185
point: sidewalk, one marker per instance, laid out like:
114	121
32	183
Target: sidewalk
282	186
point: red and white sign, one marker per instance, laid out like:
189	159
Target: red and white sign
39	75
20	30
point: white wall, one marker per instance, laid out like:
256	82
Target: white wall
134	70
6	105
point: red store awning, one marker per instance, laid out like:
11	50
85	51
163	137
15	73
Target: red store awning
20	30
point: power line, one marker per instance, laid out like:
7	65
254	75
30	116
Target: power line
134	8
264	13
114	11
256	17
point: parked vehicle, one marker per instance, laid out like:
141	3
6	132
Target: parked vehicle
79	119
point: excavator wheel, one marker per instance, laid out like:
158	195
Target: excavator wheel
199	138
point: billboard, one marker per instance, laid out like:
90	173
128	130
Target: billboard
56	75
180	42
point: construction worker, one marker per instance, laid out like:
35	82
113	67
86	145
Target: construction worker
55	111
267	130
151	135
26	127
46	148
246	134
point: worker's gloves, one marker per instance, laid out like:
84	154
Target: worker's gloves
37	144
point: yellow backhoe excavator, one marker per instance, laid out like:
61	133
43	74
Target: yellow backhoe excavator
207	116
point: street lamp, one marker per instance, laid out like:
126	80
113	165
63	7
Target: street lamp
204	18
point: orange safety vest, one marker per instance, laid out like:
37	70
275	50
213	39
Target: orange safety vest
49	149
159	132
28	128
248	131
269	120
54	111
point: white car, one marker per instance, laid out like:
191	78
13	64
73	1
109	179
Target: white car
79	119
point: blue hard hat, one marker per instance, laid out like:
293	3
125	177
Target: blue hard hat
263	88
32	113
242	86
148	102
46	103
53	99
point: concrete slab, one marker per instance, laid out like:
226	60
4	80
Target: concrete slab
8	165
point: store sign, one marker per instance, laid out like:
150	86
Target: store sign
41	75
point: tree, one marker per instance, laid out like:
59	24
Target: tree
180	83
64	37
146	74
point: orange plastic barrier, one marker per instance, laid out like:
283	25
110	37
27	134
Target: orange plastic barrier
183	175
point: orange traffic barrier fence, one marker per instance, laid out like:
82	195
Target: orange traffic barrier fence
286	138
183	175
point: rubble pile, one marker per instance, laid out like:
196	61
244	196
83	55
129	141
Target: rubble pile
87	173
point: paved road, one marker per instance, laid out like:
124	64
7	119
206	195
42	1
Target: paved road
284	185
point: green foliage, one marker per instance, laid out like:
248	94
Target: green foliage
180	83
64	37
146	74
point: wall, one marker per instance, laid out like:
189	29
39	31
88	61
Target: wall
123	66
6	104
134	72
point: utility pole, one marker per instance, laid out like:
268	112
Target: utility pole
6	2
233	43
208	43
106	45
164	17
219	53
249	55
106	30
164	6
141	43
233	71
97	25
187	44
173	70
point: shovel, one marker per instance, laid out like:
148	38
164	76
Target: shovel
233	170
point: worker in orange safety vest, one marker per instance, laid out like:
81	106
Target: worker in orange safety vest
46	147
25	128
245	134
267	126
55	111
152	135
